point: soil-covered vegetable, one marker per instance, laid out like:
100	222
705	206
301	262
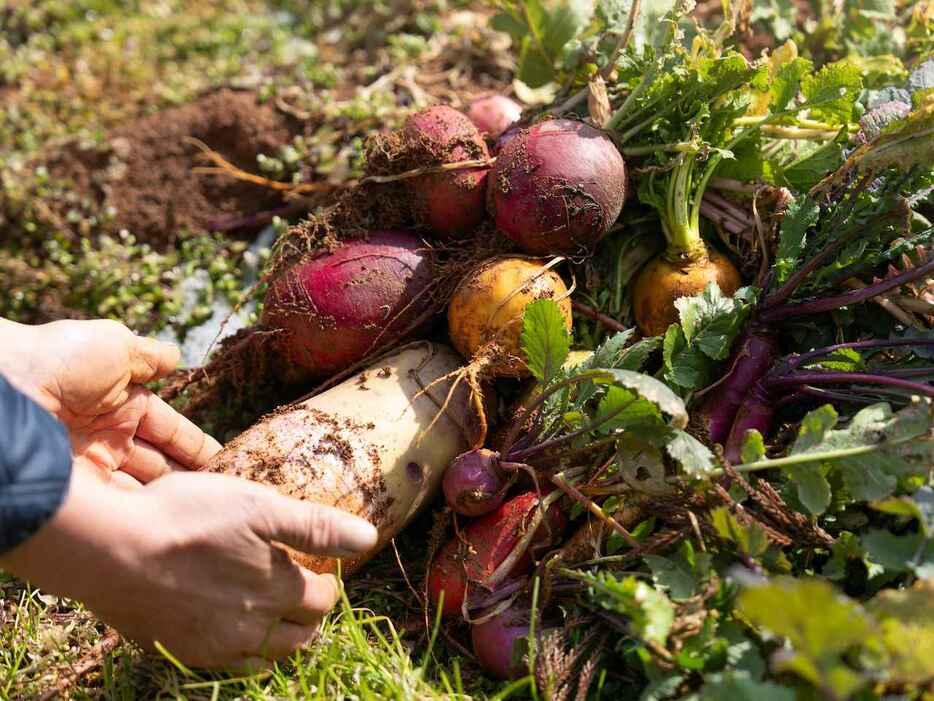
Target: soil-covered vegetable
485	314
500	643
474	484
557	187
449	203
329	312
494	114
371	446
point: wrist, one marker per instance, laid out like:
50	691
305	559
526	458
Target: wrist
18	346
90	534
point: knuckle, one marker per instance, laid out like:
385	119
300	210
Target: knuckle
321	529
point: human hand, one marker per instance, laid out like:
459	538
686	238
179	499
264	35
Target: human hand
90	375
190	561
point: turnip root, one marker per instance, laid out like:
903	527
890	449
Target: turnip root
487	309
663	281
449	203
498	643
494	114
474	484
492	549
329	312
557	187
485	320
356	446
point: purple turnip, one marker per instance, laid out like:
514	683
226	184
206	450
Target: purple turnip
557	187
474	484
500	643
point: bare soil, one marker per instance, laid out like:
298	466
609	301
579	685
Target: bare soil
145	172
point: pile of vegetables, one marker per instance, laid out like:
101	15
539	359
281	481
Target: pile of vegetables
739	250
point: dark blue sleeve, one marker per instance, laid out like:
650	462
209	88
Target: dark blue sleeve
35	465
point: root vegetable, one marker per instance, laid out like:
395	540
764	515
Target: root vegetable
663	281
494	114
501	643
474	484
356	447
557	187
450	203
487	543
329	312
485	314
753	356
485	320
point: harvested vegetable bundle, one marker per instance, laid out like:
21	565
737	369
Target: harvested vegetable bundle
853	223
356	446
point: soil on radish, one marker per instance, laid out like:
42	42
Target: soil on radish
145	170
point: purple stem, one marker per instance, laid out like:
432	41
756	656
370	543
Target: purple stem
798	360
841	378
815	306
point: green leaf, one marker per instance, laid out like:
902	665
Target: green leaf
753	446
685	366
566	19
682	574
750	540
655	391
814	429
820	624
630	412
786	82
832	92
737	686
800	216
535	68
919	506
711	321
812	485
695	458
545	339
650	613
805	172
909	552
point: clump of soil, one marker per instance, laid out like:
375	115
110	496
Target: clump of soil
145	173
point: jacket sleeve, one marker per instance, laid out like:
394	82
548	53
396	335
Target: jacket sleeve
35	466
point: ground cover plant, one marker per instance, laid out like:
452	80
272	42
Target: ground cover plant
640	296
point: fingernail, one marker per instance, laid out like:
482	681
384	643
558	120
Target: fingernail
357	535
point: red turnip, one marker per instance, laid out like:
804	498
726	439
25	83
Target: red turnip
557	187
494	114
474	484
493	548
330	311
449	203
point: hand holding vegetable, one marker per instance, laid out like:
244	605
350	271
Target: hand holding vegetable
89	374
190	561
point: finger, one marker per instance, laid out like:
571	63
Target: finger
151	359
167	430
145	462
284	638
312	528
320	594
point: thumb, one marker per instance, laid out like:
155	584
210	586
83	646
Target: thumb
151	359
314	529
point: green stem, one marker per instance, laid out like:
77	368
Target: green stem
802	458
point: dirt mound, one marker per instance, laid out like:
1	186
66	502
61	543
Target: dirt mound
145	171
